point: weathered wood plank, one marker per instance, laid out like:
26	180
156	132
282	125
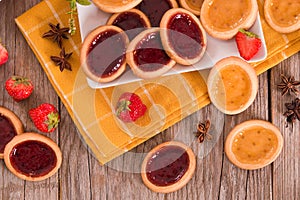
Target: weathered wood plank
286	169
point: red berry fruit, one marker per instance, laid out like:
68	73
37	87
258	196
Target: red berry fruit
3	55
130	107
45	117
18	87
248	44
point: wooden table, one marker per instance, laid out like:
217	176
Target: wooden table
81	177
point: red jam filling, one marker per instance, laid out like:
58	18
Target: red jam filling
33	158
129	21
149	54
167	166
7	131
154	10
185	36
106	53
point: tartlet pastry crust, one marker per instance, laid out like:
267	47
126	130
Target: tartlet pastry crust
135	68
230	33
30	136
247	124
14	120
85	48
179	184
116	6
215	72
113	17
269	16
166	43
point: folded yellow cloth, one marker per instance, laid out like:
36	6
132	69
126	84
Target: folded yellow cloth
169	99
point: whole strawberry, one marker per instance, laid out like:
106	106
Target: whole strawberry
45	117
248	44
130	107
18	87
3	55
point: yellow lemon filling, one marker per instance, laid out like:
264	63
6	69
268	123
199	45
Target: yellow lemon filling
254	145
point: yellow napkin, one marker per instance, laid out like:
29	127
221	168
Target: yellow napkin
168	99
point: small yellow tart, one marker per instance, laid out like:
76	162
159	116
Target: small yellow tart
232	85
116	6
146	56
32	156
103	53
10	126
183	36
253	144
193	6
283	16
168	167
222	19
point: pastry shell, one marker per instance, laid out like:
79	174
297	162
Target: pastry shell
248	124
179	184
135	68
215	72
85	49
226	34
116	6
169	15
32	137
14	119
277	26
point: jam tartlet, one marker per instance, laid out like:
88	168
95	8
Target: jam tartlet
155	9
116	6
10	126
253	144
32	157
222	19
232	85
103	53
146	56
132	21
183	37
283	16
193	6
168	167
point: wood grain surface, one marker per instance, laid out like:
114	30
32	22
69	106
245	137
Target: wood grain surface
81	177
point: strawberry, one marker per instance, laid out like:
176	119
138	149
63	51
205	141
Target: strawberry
19	87
248	44
3	55
130	107
45	117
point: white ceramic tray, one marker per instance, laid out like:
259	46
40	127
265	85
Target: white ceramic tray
90	17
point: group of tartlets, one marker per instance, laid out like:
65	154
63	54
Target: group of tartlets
30	156
152	36
181	38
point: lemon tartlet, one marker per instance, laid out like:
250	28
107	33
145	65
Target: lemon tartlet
116	6
253	144
222	19
32	156
232	85
193	6
283	16
10	126
168	167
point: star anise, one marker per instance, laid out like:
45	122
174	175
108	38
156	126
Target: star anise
293	112
288	85
62	60
202	131
56	33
